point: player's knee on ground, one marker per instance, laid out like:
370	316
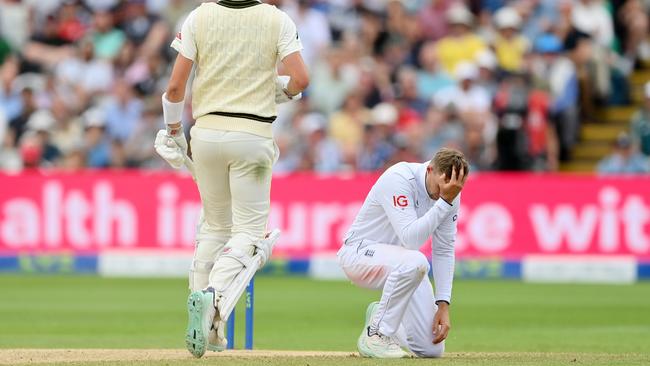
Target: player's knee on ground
429	350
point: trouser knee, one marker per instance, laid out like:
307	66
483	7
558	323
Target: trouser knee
415	266
430	351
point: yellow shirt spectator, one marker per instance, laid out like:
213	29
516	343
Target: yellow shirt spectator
347	128
453	50
510	52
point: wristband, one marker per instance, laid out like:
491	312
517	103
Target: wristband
437	301
172	112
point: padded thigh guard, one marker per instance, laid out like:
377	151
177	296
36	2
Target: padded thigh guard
208	248
235	269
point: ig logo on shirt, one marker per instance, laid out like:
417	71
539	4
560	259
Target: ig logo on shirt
400	201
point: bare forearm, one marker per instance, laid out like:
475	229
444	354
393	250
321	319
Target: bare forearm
296	86
175	92
178	79
294	66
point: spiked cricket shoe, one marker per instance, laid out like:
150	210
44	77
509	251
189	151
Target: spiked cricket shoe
375	345
201	313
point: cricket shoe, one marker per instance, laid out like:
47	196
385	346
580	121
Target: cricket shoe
201	313
376	345
217	341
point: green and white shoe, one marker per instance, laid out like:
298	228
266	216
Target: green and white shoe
201	313
376	345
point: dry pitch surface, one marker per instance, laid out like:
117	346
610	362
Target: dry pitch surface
172	357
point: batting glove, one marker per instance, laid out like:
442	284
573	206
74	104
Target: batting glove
167	147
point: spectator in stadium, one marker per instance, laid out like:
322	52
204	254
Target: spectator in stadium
138	147
15	16
27	106
442	128
487	72
175	12
31	150
84	75
46	47
632	26
465	97
539	17
565	90
70	28
10	100
107	39
461	44
430	78
321	154
40	123
591	17
429	18
407	91
376	149
313	29
145	30
96	142
640	124
624	159
9	157
346	126
332	79
510	47
123	111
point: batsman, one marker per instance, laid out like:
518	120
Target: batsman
236	46
409	203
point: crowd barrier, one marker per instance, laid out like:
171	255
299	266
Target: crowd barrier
539	227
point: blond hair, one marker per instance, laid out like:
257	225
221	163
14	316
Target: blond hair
446	158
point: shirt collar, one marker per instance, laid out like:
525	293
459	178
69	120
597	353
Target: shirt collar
420	175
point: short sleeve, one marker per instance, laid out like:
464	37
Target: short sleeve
289	41
184	41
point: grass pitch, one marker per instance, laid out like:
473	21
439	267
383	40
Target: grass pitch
493	322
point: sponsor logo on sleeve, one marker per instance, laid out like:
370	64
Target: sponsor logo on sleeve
400	201
369	253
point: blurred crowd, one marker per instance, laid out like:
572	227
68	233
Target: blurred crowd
506	81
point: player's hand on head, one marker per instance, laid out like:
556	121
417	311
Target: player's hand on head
441	324
449	189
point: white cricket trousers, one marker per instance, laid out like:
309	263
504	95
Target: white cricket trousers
233	173
407	304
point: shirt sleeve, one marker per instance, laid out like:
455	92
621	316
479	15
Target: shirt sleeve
289	41
443	253
184	41
397	200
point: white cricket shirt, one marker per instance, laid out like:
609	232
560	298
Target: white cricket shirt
185	44
399	211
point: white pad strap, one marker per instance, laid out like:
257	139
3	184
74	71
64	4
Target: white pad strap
227	299
238	255
172	112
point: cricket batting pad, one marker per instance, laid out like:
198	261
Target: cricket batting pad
227	298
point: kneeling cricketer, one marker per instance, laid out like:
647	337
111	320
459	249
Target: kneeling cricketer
409	203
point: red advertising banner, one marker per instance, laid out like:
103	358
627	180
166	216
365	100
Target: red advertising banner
502	215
